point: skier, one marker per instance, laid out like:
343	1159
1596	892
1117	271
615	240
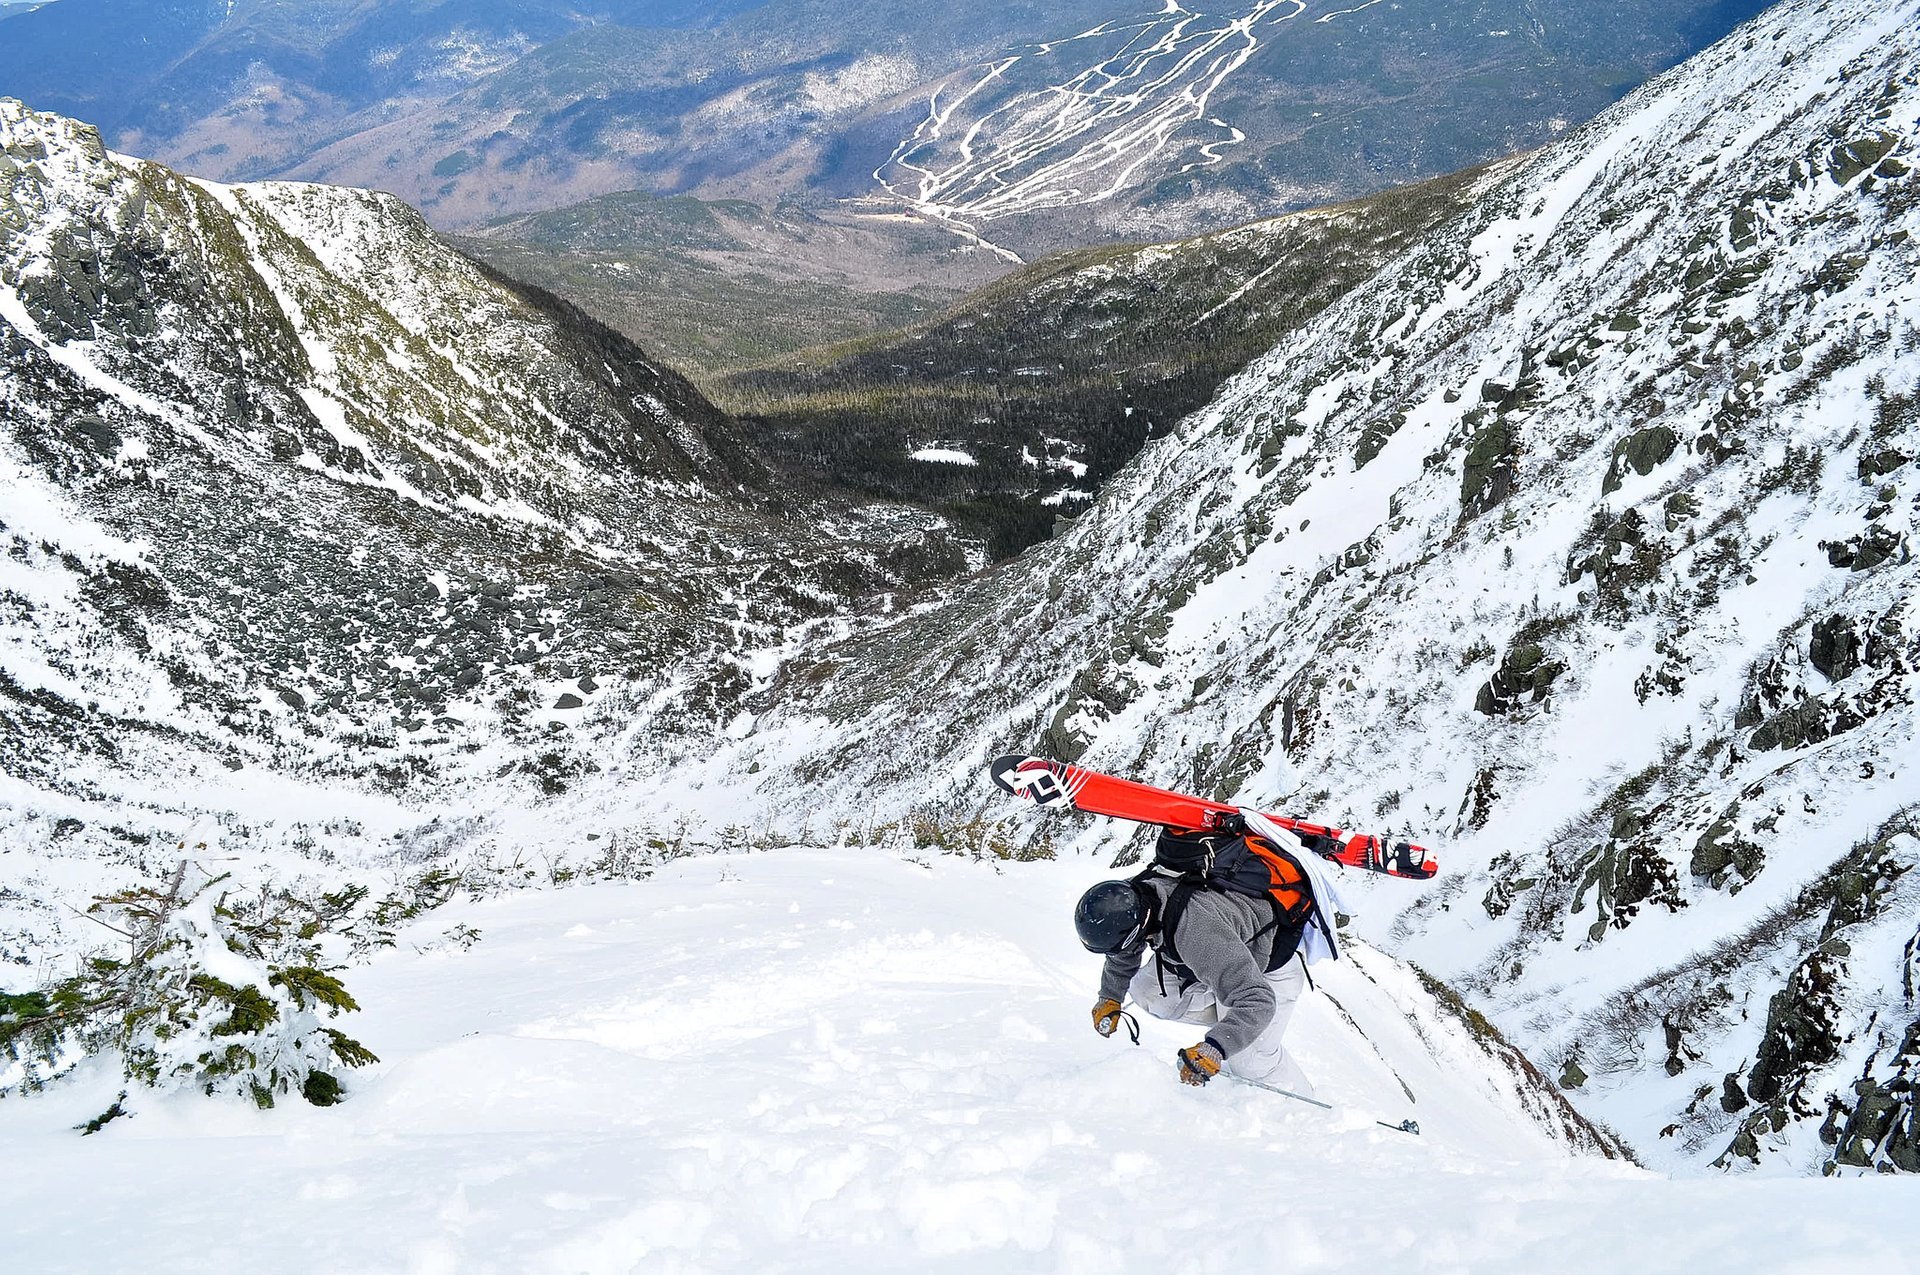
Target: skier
1228	954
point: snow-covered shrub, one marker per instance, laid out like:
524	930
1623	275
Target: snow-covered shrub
220	991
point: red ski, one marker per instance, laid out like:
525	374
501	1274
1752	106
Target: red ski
1049	783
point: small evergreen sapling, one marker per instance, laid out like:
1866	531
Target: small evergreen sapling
218	991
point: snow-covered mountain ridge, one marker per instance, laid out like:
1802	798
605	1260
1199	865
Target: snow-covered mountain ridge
1579	542
305	513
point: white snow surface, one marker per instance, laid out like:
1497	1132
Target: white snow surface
837	1059
944	456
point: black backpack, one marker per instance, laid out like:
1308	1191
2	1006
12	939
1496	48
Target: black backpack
1239	863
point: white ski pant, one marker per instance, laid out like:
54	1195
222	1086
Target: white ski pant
1266	1059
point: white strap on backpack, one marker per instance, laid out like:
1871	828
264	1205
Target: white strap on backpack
1318	942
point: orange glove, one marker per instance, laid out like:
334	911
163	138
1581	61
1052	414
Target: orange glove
1199	1063
1106	1017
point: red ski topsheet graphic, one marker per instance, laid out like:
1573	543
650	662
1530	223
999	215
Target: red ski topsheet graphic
1046	782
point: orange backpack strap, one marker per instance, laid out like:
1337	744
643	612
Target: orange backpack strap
1291	893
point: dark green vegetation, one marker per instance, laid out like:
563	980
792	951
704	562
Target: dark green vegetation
174	1021
1073	362
714	287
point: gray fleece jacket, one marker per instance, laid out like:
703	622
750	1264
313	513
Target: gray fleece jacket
1216	940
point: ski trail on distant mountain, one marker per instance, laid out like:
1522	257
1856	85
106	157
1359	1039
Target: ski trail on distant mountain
1328	17
996	148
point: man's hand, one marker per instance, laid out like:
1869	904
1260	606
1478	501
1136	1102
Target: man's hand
1199	1063
1106	1017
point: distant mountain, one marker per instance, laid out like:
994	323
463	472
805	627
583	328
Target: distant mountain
308	519
155	66
716	286
1579	542
1040	385
1039	125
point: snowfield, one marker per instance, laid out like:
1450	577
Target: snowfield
841	1060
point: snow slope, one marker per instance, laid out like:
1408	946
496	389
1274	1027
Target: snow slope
831	1060
1579	542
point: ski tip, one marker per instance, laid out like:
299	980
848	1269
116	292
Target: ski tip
1404	859
1002	770
1032	779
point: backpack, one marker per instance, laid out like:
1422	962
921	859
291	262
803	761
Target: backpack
1239	864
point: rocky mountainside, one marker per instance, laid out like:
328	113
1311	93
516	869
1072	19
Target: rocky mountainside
1054	125
308	517
328	555
1580	542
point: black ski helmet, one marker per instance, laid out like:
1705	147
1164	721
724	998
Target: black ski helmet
1111	917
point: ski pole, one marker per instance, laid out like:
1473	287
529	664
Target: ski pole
1284	1093
1405	1126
